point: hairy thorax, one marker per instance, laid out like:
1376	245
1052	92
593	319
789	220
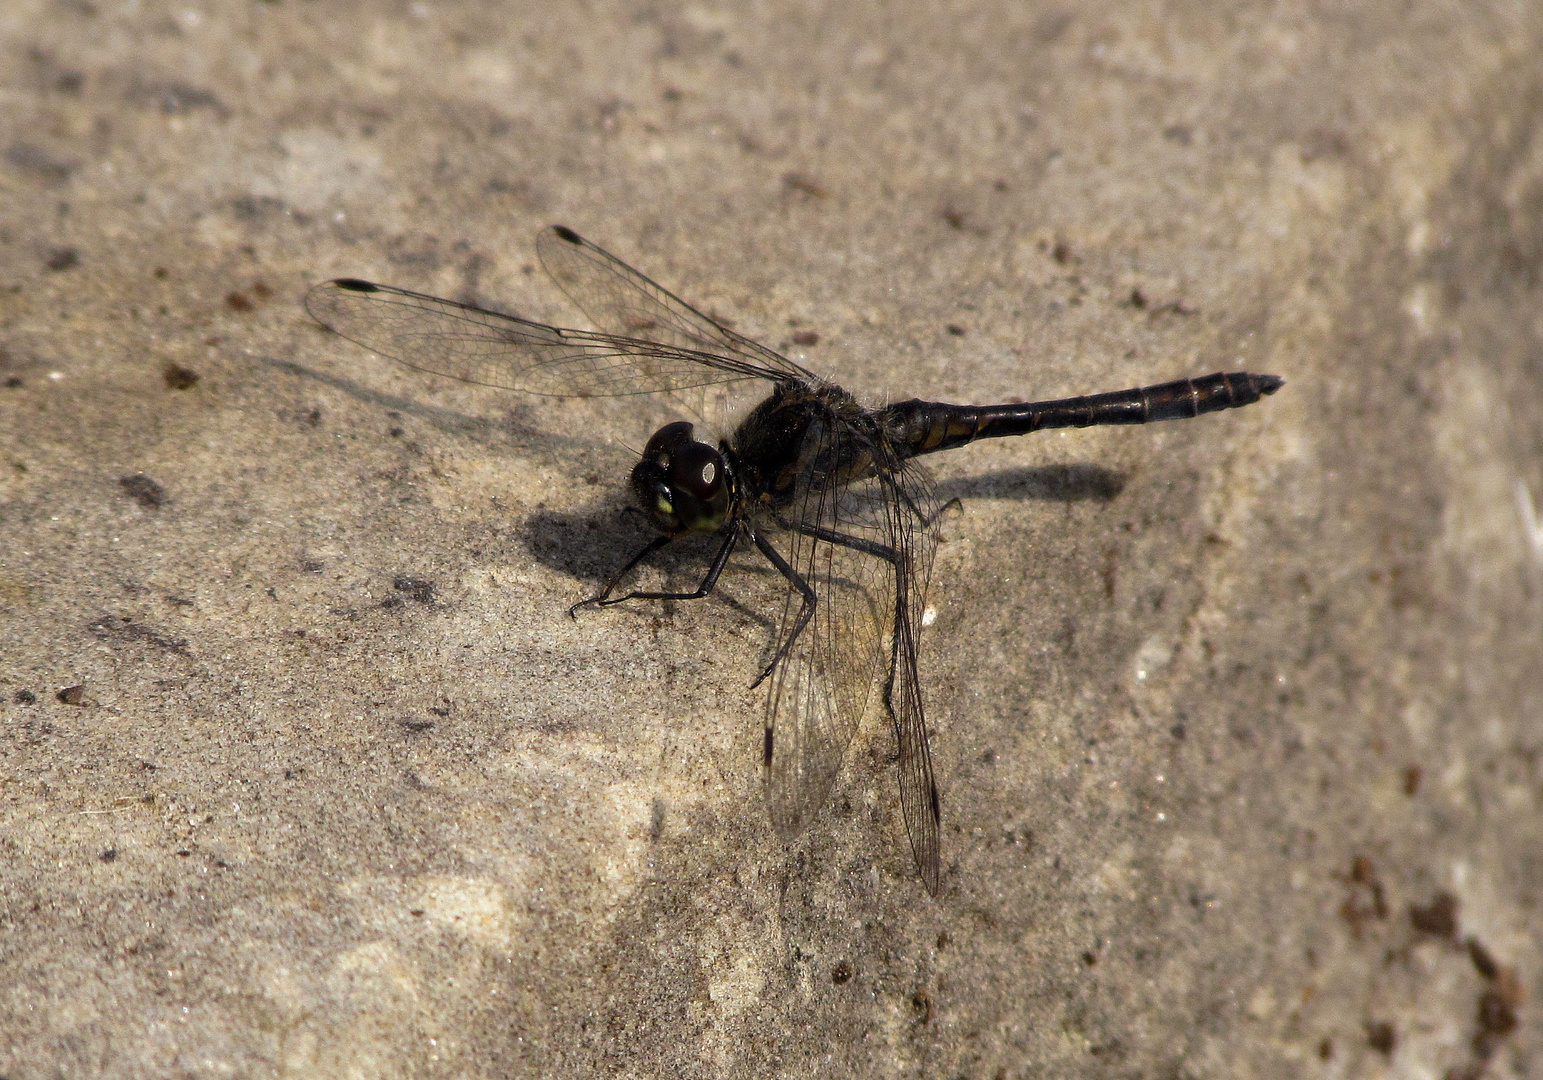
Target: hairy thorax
804	438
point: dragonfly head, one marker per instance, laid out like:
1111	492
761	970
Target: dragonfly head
682	485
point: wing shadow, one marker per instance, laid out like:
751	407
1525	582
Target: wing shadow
518	427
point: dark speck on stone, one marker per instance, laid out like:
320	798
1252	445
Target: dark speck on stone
73	695
1497	1016
806	337
65	258
803	185
144	490
955	329
416	589
39	164
12	381
178	377
25	697
1438	918
109	854
1483	962
1381	1037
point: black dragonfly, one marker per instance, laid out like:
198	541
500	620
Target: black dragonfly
827	489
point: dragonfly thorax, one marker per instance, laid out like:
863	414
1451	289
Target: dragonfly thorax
681	484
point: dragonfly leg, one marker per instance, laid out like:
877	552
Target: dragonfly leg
805	614
856	543
951	504
910	504
605	599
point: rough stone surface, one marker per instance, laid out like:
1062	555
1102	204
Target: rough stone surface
305	771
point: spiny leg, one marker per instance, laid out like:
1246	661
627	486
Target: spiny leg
605	599
805	614
952	504
840	539
928	521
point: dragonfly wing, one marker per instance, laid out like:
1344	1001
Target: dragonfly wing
913	513
622	301
489	348
823	686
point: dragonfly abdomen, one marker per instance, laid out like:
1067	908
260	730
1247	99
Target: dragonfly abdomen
925	427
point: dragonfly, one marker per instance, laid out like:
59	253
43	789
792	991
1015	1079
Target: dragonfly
828	491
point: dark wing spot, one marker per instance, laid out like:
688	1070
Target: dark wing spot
353	284
565	233
766	749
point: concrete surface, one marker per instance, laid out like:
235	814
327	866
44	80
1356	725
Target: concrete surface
306	772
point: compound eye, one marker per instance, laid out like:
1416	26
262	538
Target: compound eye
664	442
696	469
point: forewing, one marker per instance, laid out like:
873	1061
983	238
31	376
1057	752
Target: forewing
463	342
822	687
913	513
622	301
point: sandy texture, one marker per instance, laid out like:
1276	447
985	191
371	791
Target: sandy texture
305	771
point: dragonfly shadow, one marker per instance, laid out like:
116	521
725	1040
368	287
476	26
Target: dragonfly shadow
1074	482
517	426
591	546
